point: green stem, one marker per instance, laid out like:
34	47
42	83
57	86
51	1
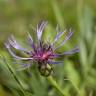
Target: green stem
76	88
15	77
55	85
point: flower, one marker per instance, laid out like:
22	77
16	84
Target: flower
42	53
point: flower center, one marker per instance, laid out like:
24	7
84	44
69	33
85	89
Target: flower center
46	55
43	53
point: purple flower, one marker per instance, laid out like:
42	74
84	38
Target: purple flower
42	53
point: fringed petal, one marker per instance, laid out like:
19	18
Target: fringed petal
75	50
14	55
65	40
40	28
55	62
23	67
14	44
30	41
59	34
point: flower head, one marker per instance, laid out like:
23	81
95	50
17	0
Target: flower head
42	53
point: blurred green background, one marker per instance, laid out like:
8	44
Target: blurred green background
77	76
